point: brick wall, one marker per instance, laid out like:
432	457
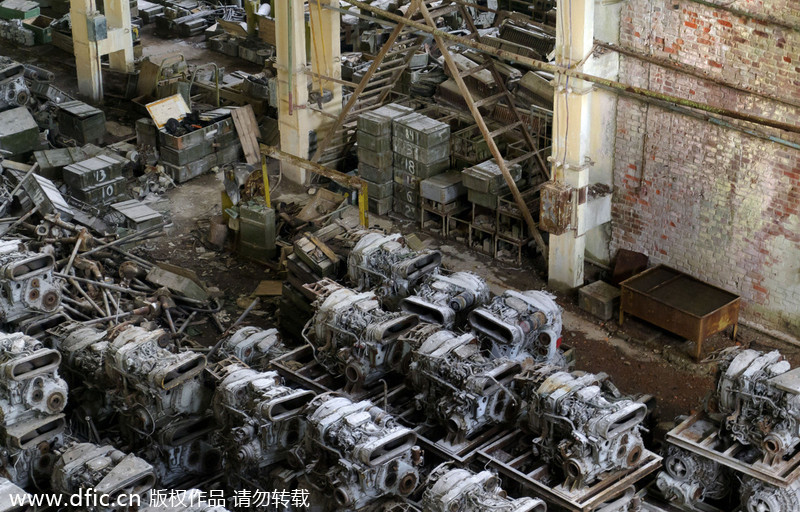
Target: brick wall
715	202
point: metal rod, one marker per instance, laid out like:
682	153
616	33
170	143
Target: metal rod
127	238
186	323
101	284
105	302
139	311
74	311
85	295
20	220
169	321
72	256
555	69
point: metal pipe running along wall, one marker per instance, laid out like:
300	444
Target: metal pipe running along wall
555	69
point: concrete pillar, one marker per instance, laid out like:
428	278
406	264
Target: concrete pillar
87	57
571	139
294	118
326	60
90	43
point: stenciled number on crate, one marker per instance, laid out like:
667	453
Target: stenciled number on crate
108	191
99	175
410	166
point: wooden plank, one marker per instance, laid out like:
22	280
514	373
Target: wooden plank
269	289
148	75
322	247
247	128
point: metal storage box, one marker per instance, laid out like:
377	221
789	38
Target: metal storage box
137	215
421	130
103	193
407	210
487	178
484	199
52	161
257	231
378	160
82	122
381	206
222	126
19	133
375	174
91	172
181	173
146	133
423	171
194	153
444	188
406	194
379	121
407	180
379	190
424	155
377	143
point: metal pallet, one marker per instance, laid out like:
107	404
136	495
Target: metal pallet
532	473
699	434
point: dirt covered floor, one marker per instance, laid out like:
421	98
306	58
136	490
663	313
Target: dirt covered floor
639	358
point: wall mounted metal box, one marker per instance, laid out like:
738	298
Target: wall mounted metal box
557	207
97	27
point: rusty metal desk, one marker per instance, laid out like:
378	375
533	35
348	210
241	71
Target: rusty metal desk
679	303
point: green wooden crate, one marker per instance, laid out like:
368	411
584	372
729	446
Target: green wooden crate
19	9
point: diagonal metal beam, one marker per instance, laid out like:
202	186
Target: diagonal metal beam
523	207
362	85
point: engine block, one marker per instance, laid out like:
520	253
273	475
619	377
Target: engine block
253	346
582	428
14	90
385	263
27	284
464	491
104	469
445	300
758	496
354	335
260	419
32	398
521	325
456	384
361	453
688	478
758	398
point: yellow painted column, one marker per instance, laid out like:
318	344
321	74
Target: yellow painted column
87	56
294	118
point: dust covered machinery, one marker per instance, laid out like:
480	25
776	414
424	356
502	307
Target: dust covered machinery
14	90
758	496
687	479
581	424
357	453
521	325
32	398
455	384
27	284
105	470
252	345
353	335
259	419
386	264
447	299
757	401
158	400
459	489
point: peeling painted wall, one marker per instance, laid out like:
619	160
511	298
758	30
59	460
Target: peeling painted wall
717	203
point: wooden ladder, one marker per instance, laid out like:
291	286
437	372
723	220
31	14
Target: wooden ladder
490	136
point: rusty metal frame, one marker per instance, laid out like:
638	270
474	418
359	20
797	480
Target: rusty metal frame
341	178
573	73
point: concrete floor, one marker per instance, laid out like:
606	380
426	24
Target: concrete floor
639	358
